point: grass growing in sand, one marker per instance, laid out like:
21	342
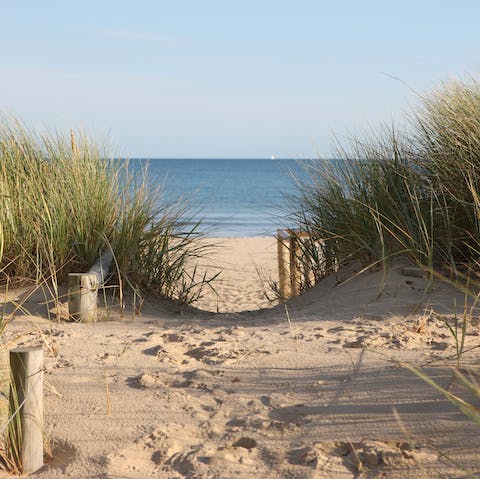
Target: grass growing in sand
62	203
415	193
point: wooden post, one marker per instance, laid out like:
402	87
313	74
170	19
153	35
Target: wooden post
82	297
294	269
291	274
282	249
26	403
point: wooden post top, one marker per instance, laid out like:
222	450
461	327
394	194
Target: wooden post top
27	349
289	232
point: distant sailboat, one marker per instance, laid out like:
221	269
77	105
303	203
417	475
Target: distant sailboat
273	157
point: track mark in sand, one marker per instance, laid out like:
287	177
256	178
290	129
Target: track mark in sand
174	452
237	453
212	353
296	414
159	452
219	434
62	454
154	380
203	379
188	345
347	459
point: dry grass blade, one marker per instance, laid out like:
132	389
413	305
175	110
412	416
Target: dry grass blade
470	410
292	329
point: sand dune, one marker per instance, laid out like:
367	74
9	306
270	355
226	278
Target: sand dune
246	394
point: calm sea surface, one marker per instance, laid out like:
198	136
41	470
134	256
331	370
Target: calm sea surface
235	198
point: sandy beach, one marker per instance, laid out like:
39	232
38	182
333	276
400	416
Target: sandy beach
234	394
240	240
247	268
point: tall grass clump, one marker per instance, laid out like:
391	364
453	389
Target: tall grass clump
63	202
413	193
447	142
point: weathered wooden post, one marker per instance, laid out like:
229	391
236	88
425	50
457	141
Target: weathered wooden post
25	437
290	271
82	297
283	268
295	261
83	290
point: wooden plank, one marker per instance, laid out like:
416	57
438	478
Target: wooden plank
101	267
290	271
26	401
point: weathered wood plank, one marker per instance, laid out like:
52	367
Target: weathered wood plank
101	267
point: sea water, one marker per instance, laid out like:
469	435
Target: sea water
232	198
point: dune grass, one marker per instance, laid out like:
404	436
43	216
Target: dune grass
63	203
414	194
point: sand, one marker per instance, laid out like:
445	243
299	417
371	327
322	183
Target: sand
247	394
247	267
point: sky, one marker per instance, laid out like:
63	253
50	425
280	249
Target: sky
228	78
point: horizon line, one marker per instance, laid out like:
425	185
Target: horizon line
218	158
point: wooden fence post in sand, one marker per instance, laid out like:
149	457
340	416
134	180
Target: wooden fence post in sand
294	265
283	265
289	262
82	297
25	437
83	290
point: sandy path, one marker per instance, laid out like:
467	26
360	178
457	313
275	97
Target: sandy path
247	267
244	395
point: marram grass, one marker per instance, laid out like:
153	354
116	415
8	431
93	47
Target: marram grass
62	203
414	194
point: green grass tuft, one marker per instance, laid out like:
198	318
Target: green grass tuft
63	203
414	194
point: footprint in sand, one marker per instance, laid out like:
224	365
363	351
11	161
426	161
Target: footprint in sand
173	337
210	352
155	454
296	414
169	452
347	459
202	379
153	380
243	451
62	454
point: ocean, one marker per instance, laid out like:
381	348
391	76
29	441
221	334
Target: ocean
233	198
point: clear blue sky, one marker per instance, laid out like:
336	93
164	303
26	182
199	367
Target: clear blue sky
227	78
